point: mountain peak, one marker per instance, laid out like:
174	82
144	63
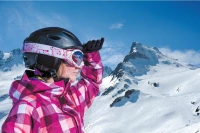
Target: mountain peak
136	47
138	61
139	51
17	51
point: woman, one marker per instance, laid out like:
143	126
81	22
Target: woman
44	99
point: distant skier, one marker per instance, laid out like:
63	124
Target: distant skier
44	99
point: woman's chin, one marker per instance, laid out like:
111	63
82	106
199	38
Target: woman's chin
72	79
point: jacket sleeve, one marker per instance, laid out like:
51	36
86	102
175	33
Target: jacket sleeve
19	119
88	87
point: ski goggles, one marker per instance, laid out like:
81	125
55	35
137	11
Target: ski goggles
74	57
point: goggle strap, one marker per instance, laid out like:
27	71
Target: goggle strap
44	49
51	51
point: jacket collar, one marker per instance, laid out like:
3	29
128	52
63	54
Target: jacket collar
27	86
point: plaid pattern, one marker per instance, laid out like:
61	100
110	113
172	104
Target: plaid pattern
53	107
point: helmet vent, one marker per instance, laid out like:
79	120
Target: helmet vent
69	34
54	37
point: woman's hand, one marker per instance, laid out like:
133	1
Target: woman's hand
93	45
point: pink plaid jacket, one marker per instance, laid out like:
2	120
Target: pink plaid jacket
53	107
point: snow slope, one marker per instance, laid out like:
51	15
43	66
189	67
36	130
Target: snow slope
164	109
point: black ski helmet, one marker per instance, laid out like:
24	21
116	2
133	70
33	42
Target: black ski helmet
52	36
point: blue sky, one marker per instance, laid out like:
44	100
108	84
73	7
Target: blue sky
172	26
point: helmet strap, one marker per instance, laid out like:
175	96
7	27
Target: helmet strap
47	72
54	75
41	67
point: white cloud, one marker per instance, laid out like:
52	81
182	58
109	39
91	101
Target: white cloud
26	19
116	26
111	53
112	60
184	57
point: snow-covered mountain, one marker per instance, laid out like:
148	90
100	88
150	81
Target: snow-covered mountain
11	59
107	71
11	68
140	59
146	93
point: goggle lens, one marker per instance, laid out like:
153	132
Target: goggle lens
77	57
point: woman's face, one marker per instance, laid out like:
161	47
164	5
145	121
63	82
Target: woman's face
67	71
